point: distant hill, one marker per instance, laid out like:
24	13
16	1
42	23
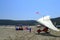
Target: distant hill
25	22
16	22
57	20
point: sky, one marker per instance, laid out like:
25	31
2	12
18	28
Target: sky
29	9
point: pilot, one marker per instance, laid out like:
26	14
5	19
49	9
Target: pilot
45	29
38	31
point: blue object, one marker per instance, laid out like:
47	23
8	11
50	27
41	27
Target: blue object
29	29
17	28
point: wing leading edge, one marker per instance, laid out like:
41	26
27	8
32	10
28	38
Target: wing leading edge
47	22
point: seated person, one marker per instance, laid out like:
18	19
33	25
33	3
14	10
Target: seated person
38	31
45	30
20	28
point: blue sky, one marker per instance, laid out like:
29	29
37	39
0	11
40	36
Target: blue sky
26	9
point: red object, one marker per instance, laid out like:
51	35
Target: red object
26	28
38	30
20	28
45	29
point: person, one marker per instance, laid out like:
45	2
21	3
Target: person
38	31
25	28
29	29
17	28
45	29
20	28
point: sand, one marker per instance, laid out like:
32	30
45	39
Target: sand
9	33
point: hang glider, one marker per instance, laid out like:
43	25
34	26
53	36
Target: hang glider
47	22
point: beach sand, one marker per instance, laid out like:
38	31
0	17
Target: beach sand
9	33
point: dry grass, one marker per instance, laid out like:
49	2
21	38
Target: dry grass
7	33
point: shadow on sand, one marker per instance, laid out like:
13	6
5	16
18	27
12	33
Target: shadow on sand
47	34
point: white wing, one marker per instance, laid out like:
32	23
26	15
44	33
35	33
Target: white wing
47	22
